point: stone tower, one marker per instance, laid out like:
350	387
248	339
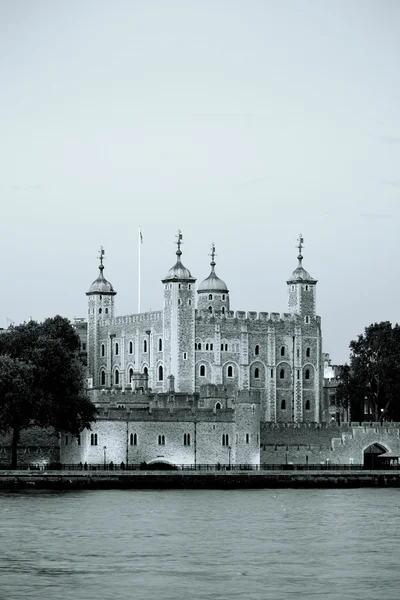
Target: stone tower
307	344
179	324
100	306
213	293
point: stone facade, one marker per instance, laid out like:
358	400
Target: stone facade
277	355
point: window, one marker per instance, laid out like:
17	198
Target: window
160	373
199	346
283	405
222	347
116	377
106	311
306	288
272	373
210	296
257	350
185	356
103	350
161	440
66	440
160	345
130	347
78	439
190	302
144	345
93	439
256	373
133	439
247	438
202	371
83	347
186	439
282	374
130	375
223	296
210	309
223	310
179	286
189	286
282	350
307	319
230	371
207	346
308	405
307	374
99	311
146	371
226	347
225	439
211	346
116	349
308	352
103	378
298	353
298	374
218	406
179	301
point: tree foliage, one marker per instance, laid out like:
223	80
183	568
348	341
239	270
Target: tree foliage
371	383
42	379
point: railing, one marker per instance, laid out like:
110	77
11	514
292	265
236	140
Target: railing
191	467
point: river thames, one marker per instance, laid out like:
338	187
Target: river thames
206	544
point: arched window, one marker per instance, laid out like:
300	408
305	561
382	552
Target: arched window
133	439
210	309
257	350
103	378
100	311
218	406
211	346
160	373
93	439
230	371
103	350
308	352
308	405
282	350
307	374
207	347
116	377
223	310
161	440
144	345
160	345
283	405
223	296
282	374
199	346
116	349
210	296
226	347
202	371
256	373
145	371
222	347
130	375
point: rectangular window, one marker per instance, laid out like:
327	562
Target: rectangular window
83	347
247	438
185	356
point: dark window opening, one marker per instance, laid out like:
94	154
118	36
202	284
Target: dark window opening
257	373
307	374
202	371
257	350
283	405
282	374
230	371
308	405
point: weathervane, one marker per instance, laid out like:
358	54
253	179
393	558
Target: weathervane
300	246
101	256
179	237
213	255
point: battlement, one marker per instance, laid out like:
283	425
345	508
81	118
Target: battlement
241	315
129	319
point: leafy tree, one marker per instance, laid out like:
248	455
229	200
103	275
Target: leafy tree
372	380
42	380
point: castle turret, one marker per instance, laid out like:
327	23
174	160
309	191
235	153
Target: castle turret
302	289
100	306
213	293
179	324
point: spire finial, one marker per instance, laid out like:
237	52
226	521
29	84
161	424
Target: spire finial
179	237
213	255
300	246
101	257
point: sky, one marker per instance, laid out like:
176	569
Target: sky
243	123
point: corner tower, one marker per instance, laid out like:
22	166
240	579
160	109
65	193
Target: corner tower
302	289
100	306
213	293
179	324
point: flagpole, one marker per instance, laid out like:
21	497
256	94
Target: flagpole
140	243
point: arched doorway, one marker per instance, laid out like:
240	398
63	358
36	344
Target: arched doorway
371	454
160	465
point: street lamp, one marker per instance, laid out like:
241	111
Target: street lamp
105	456
229	464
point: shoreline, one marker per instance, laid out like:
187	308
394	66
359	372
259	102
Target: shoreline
73	480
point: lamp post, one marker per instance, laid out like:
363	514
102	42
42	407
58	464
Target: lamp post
229	463
105	456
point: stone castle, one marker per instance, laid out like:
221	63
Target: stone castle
191	383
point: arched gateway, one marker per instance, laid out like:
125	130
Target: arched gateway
371	454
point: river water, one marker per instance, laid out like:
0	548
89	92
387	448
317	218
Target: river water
206	544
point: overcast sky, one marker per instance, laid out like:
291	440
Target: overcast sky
242	123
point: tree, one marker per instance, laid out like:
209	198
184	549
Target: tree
372	381
42	380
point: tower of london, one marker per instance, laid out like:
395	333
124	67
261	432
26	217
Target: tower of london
196	339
